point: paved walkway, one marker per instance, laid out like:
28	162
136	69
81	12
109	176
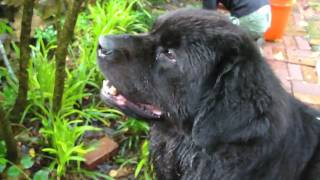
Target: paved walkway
296	57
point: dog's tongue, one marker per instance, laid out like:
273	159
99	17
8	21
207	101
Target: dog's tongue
157	112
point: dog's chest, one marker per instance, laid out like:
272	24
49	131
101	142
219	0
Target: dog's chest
175	157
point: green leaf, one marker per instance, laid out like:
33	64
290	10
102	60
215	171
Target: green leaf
139	167
77	158
3	163
13	171
42	174
27	162
2	149
50	150
2	167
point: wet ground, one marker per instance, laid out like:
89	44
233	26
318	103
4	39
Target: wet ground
296	57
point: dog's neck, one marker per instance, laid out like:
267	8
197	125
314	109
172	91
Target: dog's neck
176	153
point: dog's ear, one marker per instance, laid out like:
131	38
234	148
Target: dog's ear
234	96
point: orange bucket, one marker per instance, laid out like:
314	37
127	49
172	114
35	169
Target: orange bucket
281	10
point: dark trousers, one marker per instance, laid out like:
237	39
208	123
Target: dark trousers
209	4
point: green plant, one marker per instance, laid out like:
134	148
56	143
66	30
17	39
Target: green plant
135	130
116	16
134	126
42	174
107	17
313	30
62	133
4	27
41	78
95	175
49	34
9	89
3	161
41	72
144	163
13	170
63	137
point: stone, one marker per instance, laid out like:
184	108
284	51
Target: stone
267	51
295	71
318	70
303	57
309	74
316	48
105	148
315	41
309	99
281	71
289	42
279	51
297	18
302	43
121	172
305	88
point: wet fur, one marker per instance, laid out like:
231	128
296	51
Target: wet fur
227	115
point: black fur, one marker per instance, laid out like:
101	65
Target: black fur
225	115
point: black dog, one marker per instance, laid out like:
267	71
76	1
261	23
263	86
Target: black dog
217	110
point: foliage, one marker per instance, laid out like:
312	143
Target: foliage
42	174
135	129
62	136
9	89
41	73
3	161
313	30
49	34
62	133
14	171
4	27
144	163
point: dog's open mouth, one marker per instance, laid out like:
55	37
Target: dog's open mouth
111	96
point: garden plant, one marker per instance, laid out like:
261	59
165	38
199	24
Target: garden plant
50	108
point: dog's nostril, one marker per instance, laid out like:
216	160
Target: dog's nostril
107	51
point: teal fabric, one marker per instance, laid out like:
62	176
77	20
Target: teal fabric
257	22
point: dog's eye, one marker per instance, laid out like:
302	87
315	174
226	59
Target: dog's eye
169	53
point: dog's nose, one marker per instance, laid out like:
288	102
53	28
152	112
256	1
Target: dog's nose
111	45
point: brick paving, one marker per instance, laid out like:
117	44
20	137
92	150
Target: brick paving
295	58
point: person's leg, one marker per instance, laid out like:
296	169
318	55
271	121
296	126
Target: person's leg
257	22
209	4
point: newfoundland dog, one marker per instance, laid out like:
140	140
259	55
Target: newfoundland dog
216	109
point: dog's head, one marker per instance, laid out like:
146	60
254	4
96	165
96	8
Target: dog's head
169	72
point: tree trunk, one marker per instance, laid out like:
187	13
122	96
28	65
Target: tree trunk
21	101
64	38
7	135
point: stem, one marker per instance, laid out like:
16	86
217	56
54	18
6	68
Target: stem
6	62
21	101
7	135
64	39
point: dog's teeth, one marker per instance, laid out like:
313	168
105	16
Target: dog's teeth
109	89
113	90
105	82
